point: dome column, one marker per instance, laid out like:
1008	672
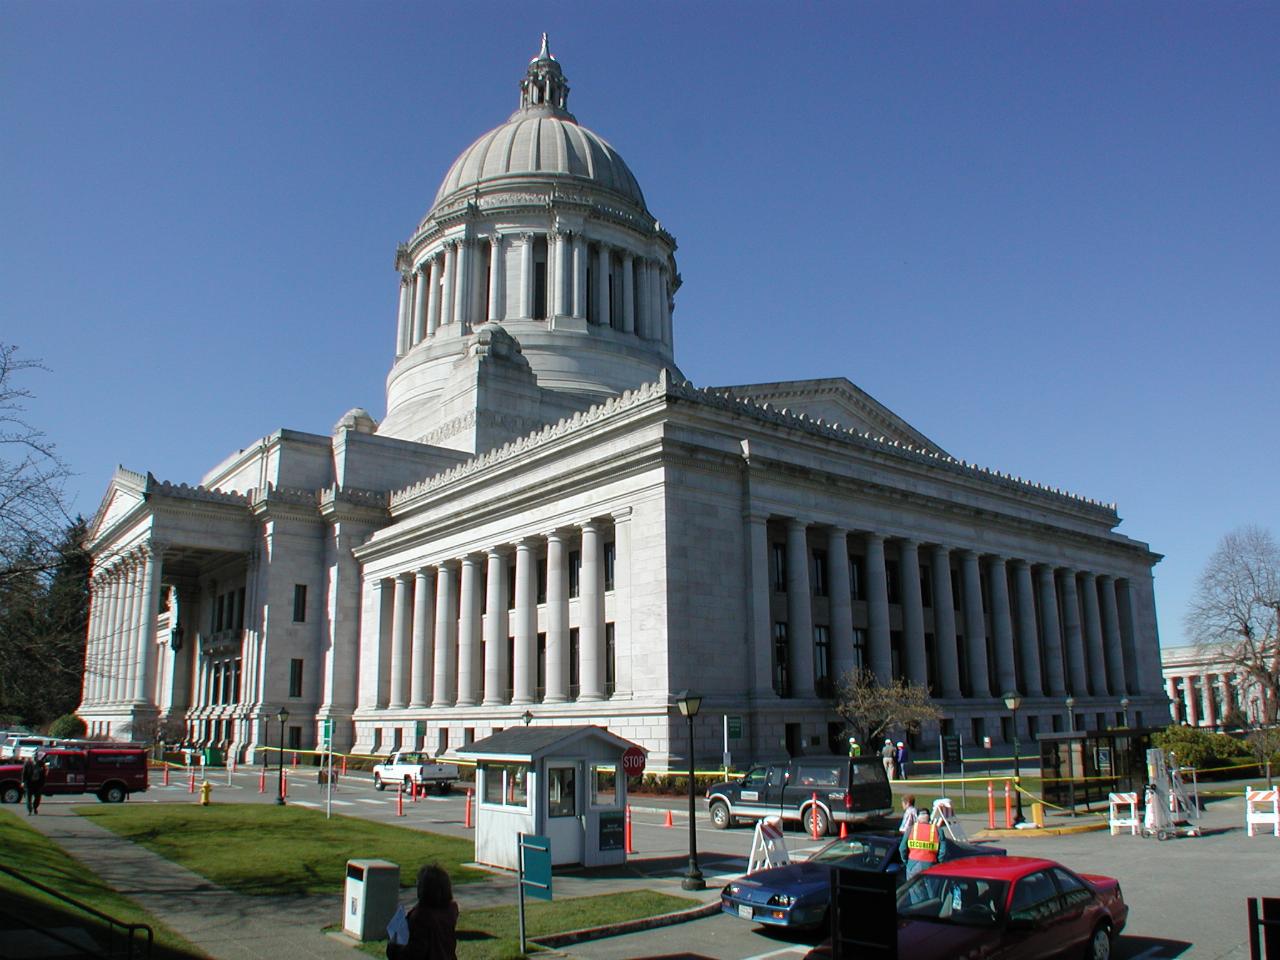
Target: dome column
446	289
579	277
525	307
628	294
402	322
433	300
602	286
420	303
497	268
558	275
664	304
462	285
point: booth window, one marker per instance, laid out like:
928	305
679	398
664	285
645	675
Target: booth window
506	784
561	792
604	785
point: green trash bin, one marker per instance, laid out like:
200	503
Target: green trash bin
213	757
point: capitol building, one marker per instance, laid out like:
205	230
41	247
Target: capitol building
550	524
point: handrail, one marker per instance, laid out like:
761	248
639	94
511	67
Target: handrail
112	922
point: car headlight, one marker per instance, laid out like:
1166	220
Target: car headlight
732	889
781	900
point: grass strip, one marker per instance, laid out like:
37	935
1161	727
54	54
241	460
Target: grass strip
494	932
36	856
269	850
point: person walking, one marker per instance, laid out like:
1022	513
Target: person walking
900	758
33	777
909	813
432	923
922	846
887	755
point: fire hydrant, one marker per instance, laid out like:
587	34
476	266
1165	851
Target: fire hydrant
206	790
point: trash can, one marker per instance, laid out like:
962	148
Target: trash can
371	897
212	757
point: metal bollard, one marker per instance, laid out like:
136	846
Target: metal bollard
166	774
1008	805
400	801
285	782
466	822
191	781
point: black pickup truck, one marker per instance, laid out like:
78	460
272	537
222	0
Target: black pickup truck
848	789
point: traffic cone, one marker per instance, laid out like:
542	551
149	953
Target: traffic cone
670	822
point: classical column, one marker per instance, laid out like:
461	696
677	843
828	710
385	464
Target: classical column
525	626
944	624
1028	640
402	316
664	304
1207	682
1112	641
495	628
602	286
1093	636
129	630
840	601
642	297
1073	636
591	615
421	278
424	601
115	634
402	618
445	681
1191	697
95	646
468	631
757	538
915	662
628	293
1053	661
462	287
975	626
144	686
372	607
524	309
799	609
655	302
879	650
1176	713
557	619
558	278
497	273
433	295
579	276
449	272
1001	626
623	674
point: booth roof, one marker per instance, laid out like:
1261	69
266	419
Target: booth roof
530	742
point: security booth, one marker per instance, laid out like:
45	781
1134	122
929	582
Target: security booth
1085	766
564	783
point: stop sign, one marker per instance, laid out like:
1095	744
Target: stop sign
633	761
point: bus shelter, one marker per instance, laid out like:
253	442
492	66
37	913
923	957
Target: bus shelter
1085	766
564	783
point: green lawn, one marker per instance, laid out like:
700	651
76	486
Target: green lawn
267	850
35	856
494	933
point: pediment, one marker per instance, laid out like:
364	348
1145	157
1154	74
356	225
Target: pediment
125	493
835	400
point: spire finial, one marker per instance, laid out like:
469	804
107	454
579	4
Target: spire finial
544	86
544	53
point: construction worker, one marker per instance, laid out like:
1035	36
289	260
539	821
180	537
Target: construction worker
855	749
923	845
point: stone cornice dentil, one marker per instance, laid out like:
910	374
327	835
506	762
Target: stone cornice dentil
667	386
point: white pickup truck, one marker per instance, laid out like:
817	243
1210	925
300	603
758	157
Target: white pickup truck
414	769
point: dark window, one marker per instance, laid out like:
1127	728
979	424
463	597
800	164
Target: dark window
511	667
781	660
299	603
542	580
295	738
893	581
859	647
610	662
240	609
236	668
978	730
540	288
778	567
931	660
610	559
955	589
542	665
1034	898
895	652
818	572
574	676
377	739
926	588
857	577
511	586
575	571
218	605
295	678
822	661
1074	891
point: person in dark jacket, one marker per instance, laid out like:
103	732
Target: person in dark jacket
433	923
33	776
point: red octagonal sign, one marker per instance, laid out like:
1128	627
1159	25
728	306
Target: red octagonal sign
633	761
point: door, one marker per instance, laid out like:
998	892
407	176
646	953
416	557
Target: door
566	826
774	789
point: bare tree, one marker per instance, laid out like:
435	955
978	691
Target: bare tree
1235	612
873	709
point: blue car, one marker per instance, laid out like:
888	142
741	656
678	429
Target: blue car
797	895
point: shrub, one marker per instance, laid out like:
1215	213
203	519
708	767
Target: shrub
1198	748
67	727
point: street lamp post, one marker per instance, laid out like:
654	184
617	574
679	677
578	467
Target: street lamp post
1013	700
689	702
527	717
283	717
1124	711
1071	714
1071	750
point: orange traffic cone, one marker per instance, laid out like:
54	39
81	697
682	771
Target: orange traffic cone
670	822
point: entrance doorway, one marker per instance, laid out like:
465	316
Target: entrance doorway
566	827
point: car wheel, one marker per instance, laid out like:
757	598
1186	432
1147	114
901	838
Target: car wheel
807	817
377	783
113	794
720	818
445	787
11	795
1099	944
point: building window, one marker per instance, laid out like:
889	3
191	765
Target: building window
857	578
978	730
931	661
859	647
295	738
542	665
926	588
822	661
818	572
781	660
511	667
610	662
540	280
377	739
573	663
895	652
506	784
542	580
240	609
397	739
299	603
468	736
610	559
236	669
604	785
511	586
778	567
893	581
295	678
955	589
575	571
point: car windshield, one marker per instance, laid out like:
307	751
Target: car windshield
858	853
968	901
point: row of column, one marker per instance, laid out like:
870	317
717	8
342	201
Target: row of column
219	682
120	653
428	626
1062	632
444	288
1195	697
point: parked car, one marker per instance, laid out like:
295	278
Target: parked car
10	783
832	789
1006	908
110	772
20	746
414	769
798	894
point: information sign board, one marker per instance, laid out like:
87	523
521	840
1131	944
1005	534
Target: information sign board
735	727
950	749
612	830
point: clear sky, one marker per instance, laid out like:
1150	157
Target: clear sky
1046	234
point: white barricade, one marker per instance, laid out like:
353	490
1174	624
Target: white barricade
1117	822
1261	808
944	816
768	847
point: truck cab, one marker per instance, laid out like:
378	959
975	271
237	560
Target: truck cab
826	789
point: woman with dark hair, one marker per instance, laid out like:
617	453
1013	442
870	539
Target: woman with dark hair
433	922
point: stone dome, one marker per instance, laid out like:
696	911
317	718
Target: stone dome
541	139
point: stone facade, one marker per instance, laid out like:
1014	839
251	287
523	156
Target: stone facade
550	519
1205	688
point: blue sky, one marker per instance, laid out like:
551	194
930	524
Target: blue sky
1044	233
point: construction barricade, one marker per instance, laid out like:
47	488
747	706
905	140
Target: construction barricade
1261	809
768	847
1118	817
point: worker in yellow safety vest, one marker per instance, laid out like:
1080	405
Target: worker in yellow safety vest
923	845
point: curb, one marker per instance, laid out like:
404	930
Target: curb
628	926
1002	834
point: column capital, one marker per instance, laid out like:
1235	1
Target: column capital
528	236
404	576
495	239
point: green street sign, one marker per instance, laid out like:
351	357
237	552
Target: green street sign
735	728
326	733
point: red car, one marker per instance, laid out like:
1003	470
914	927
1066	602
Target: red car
1006	908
